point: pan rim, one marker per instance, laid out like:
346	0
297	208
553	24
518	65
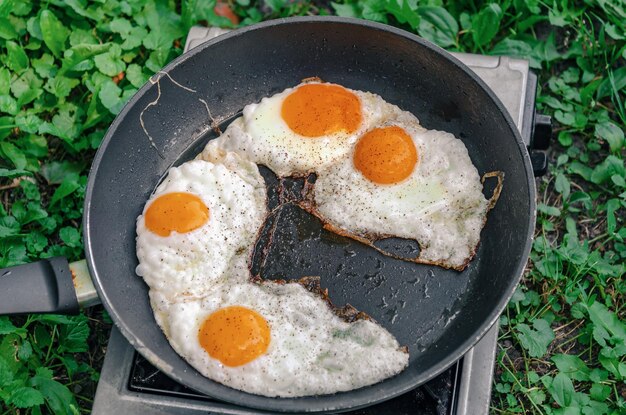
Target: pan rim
313	404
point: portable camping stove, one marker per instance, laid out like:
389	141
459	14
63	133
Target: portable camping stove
130	385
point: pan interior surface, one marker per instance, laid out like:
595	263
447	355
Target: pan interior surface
437	313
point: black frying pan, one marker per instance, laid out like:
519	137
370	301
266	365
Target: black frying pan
439	314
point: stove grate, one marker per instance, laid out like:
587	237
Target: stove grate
433	398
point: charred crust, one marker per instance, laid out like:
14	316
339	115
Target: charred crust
311	79
347	313
313	284
369	239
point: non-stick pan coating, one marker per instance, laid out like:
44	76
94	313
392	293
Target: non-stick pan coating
438	313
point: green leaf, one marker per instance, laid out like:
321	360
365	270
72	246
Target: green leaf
610	166
67	187
58	397
565	118
599	392
438	26
537	396
6	374
9	226
25	351
565	138
8	104
5	81
16	57
35	242
6	125
65	125
618	180
580	169
6	29
134	38
28	123
512	47
110	63
615	32
571	75
161	17
536	339
572	366
73	337
346	9
14	154
157	39
70	236
26	87
548	210
35	146
596	408
52	319
546	50
562	390
598	375
79	53
13	173
276	5
31	213
44	66
56	172
33	27
121	26
83	37
562	185
405	11
486	24
54	33
612	205
614	81
6	326
25	397
612	364
136	76
157	60
612	327
197	10
113	98
80	7
612	134
61	86
21	8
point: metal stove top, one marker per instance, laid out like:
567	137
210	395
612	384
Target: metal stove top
129	385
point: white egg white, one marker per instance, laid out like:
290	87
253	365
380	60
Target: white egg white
311	350
440	205
190	263
262	136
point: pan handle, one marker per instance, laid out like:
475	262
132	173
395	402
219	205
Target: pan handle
45	286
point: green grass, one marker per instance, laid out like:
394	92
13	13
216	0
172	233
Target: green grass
69	66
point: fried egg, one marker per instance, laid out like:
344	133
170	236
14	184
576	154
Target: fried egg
196	222
402	180
303	128
277	339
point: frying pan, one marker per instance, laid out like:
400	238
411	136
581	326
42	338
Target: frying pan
439	314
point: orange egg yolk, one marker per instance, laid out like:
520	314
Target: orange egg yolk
234	335
180	212
385	155
314	110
